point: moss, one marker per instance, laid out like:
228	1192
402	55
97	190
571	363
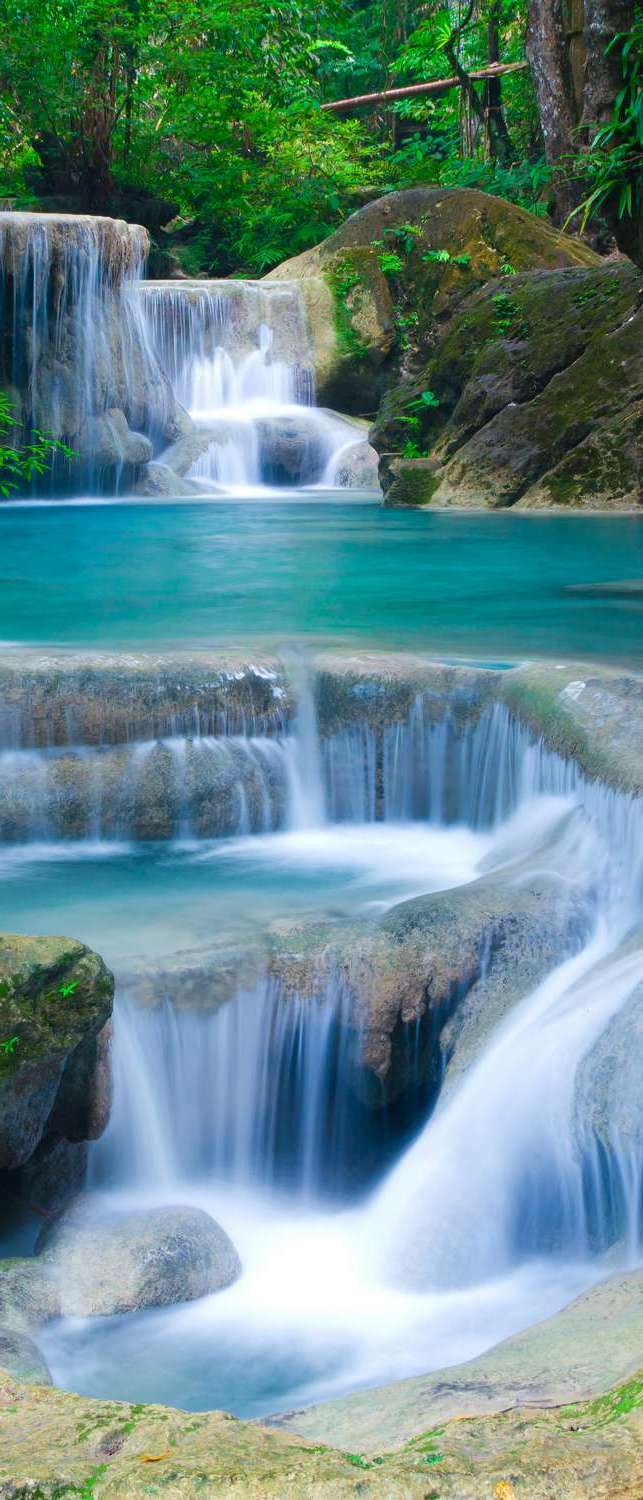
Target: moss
348	292
611	1407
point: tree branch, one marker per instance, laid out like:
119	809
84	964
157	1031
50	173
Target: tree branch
417	90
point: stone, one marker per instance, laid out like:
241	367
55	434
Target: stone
538	386
28	1295
111	442
57	1441
366	324
159	479
358	468
107	1262
592	1343
21	1357
47	1077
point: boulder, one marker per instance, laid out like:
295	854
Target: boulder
55	1000
537	386
111	442
292	449
105	1262
21	1358
357	467
378	288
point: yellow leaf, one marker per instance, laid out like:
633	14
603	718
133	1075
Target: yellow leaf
505	1491
154	1458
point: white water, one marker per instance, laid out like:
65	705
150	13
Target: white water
500	1209
80	354
239	358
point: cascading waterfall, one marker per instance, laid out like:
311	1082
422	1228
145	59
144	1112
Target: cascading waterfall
239	359
76	348
250	1100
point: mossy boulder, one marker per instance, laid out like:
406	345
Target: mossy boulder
538	386
378	288
55	1001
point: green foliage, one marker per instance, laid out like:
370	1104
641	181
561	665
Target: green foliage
215	109
390	262
22	462
426	401
445	258
613	164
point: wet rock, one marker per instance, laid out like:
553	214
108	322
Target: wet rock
112	443
28	1295
292	450
105	1262
48	1070
594	1342
357	468
608	1091
21	1358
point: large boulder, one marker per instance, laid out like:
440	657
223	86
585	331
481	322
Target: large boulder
537	399
378	288
103	1261
55	1003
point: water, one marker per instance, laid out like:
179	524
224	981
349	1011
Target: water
79	355
381	1234
238	357
353	1273
343	574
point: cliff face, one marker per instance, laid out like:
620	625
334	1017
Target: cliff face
75	360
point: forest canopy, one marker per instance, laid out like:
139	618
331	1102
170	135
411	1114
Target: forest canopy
209	114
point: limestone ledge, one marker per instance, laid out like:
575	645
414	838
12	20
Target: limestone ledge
554	1412
587	712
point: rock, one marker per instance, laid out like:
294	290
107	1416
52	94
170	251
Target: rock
20	1357
106	1262
538	386
292	449
595	1341
357	468
431	980
28	1295
608	1092
365	322
159	479
111	442
47	1079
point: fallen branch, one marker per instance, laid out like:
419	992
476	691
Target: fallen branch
417	90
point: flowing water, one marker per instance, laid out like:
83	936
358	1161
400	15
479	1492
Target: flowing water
366	1255
185	843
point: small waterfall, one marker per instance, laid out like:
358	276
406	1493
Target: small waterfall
255	1092
239	359
77	353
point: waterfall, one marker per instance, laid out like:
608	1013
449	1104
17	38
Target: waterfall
529	1185
289	1118
239	358
78	361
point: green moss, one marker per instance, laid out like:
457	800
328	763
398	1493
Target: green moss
614	1405
345	283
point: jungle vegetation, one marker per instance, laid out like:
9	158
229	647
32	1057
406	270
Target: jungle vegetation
211	115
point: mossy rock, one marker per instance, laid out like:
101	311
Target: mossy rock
375	311
539	385
55	1000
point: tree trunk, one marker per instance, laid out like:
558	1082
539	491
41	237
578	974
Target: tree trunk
603	78
547	54
499	143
